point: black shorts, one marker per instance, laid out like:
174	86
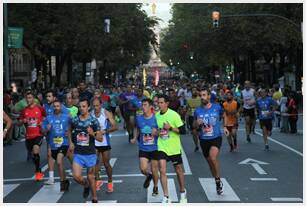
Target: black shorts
249	112
175	159
190	122
35	141
207	144
103	148
153	155
62	149
267	123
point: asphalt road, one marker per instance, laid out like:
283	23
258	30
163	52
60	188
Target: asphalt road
250	175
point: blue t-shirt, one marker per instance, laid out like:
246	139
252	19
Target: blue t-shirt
211	127
57	136
146	142
264	105
84	143
50	110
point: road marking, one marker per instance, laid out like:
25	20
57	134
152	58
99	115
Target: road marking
48	194
258	169
8	188
209	186
104	201
286	199
112	162
158	199
185	163
46	178
264	179
43	169
273	140
117	134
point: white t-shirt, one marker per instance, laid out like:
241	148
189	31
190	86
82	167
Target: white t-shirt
248	98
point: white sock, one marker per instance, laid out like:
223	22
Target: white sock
183	194
51	175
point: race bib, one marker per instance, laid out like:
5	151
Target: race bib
164	134
148	139
83	139
265	113
32	122
139	112
58	141
207	129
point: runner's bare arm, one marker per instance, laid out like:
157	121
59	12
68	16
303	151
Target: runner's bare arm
112	121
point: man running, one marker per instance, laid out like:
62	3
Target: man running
103	148
86	129
207	121
32	117
192	104
57	126
265	107
170	127
231	120
50	96
249	103
148	134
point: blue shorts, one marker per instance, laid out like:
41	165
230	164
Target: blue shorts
86	161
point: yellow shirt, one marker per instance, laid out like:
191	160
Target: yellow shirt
193	103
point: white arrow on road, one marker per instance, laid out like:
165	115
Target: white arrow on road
255	164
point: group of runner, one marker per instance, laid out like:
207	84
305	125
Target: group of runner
78	125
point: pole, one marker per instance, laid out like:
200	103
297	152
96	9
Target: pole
5	47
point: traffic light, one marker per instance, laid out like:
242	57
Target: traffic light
215	17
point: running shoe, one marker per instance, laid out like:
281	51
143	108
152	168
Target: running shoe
110	187
196	149
166	200
86	192
147	181
99	183
50	181
155	191
67	184
219	187
231	147
248	139
39	176
266	147
94	201
183	198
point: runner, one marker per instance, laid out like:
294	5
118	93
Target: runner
207	120
249	103
192	104
265	107
50	96
32	117
73	110
57	126
231	120
169	146
104	118
85	130
147	132
136	105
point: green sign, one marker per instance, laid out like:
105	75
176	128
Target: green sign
15	37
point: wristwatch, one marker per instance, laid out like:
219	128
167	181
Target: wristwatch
170	129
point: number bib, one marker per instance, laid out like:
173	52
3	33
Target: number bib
164	134
58	141
148	139
83	139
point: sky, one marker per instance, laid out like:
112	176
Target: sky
162	12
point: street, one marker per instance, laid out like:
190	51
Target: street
249	175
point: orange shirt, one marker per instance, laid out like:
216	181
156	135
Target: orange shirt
230	119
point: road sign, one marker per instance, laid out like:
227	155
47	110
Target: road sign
255	164
15	37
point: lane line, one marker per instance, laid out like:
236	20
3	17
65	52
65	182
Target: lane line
185	163
104	201
158	199
47	194
263	179
286	199
209	186
258	169
277	142
8	188
112	162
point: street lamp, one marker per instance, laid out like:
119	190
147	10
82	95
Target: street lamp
107	25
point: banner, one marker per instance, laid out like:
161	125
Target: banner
15	37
